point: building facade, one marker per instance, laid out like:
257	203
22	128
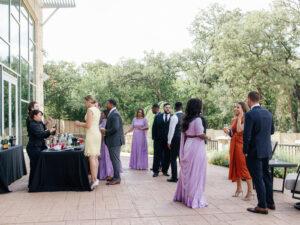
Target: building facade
21	63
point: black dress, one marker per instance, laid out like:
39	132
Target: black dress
37	134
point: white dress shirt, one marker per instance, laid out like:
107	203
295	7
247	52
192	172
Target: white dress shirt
168	117
257	104
173	123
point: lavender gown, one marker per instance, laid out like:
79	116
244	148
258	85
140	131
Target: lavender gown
193	162
139	148
105	165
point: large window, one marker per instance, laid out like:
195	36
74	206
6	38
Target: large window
18	52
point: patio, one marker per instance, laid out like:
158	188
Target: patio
140	199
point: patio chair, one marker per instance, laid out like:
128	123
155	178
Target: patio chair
292	183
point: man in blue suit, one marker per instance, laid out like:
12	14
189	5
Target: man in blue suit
258	151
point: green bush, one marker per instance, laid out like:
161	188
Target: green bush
219	158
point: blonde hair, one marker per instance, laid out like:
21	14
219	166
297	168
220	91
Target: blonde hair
90	98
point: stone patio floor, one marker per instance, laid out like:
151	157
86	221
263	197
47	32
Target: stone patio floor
140	199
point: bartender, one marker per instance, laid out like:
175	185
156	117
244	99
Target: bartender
37	133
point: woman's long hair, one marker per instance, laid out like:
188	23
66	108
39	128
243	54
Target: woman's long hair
192	111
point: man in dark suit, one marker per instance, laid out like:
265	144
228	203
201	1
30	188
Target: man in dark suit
114	139
161	128
156	112
258	150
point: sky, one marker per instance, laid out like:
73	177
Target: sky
110	30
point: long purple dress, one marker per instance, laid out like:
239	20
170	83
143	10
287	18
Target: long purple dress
139	148
105	166
193	162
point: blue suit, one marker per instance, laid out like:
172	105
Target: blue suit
257	147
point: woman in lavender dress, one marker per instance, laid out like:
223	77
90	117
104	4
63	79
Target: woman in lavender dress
139	148
192	178
106	170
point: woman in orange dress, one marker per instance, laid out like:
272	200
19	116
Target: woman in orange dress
238	170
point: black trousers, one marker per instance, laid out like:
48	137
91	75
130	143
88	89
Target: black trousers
260	173
174	154
34	155
161	156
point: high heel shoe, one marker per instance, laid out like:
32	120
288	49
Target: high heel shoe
249	197
237	194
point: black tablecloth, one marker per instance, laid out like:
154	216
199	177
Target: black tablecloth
61	171
12	166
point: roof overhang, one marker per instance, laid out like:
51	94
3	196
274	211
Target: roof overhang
58	4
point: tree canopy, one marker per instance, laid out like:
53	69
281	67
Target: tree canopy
233	52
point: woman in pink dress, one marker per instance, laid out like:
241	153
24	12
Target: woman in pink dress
192	177
139	148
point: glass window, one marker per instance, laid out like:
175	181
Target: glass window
24	115
13	110
14	45
24	80
31	29
4	18
15	9
24	36
32	92
4	52
6	108
31	61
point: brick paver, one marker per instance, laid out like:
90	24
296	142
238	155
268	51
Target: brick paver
140	199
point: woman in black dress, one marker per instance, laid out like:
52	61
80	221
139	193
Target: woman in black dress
37	134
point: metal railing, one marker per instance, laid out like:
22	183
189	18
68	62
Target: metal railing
212	145
290	153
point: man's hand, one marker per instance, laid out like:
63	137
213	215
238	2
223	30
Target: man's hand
77	123
169	146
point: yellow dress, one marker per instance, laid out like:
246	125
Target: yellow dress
93	134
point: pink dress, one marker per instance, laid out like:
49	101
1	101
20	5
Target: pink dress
193	162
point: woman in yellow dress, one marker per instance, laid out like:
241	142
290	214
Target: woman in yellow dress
92	138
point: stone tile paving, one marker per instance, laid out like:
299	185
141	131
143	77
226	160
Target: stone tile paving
140	200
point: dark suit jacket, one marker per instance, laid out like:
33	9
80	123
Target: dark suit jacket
258	129
114	135
160	128
154	128
37	134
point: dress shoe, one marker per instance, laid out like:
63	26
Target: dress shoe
155	175
113	182
272	207
166	174
109	178
95	184
173	180
258	210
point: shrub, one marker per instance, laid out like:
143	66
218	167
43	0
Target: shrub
219	158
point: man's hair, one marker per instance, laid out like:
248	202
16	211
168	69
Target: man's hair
112	101
178	106
167	103
254	96
155	105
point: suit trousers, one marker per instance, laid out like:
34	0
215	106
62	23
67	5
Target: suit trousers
161	157
174	154
260	173
114	153
34	155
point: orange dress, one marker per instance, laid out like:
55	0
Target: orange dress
237	164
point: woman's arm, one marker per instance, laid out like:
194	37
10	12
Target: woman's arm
88	123
240	124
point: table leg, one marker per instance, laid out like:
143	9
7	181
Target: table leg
284	176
